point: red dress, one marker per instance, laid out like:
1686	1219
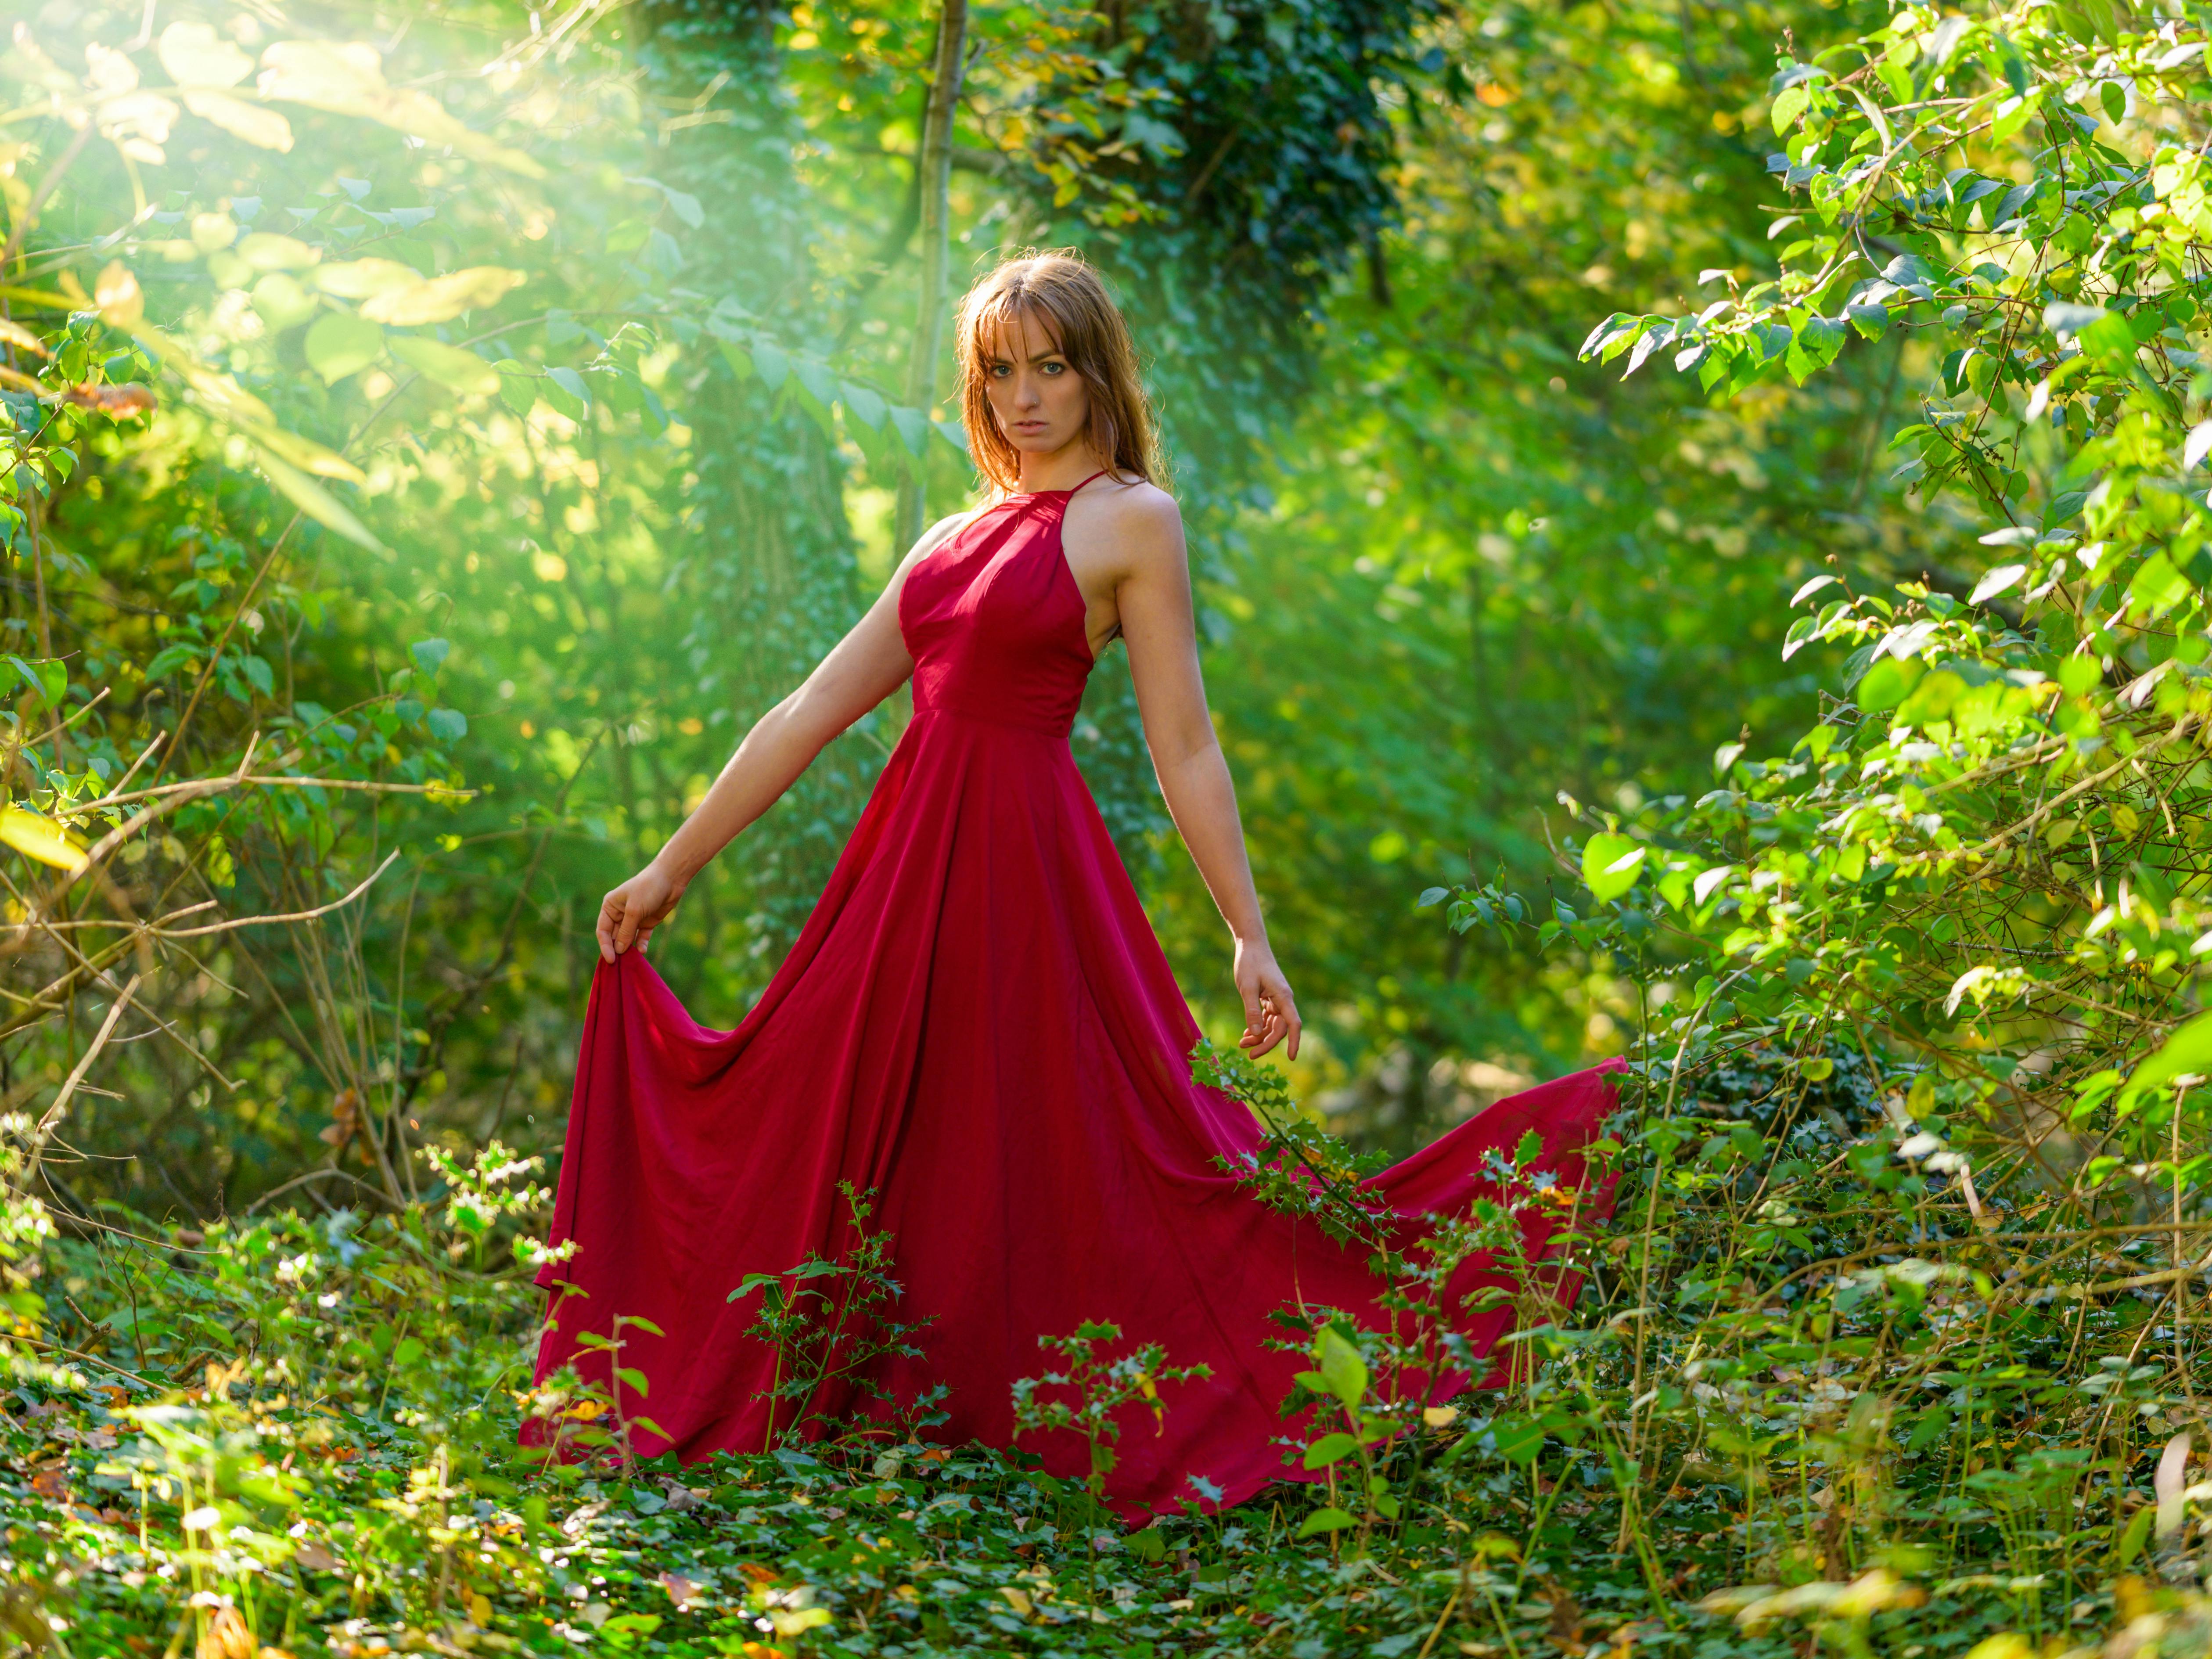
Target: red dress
977	1022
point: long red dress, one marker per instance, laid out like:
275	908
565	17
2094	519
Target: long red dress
977	1022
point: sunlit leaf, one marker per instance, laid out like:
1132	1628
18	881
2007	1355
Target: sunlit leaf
317	502
360	279
196	56
41	839
449	365
265	250
440	299
256	125
121	304
1611	863
341	343
348	79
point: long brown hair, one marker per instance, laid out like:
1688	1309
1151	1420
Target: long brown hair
1060	292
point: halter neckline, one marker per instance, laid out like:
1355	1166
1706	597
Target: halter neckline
1024	495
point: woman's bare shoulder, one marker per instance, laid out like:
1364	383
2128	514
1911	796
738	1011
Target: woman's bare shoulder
1141	518
928	543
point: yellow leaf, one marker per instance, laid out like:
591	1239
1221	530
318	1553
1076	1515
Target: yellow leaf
480	1610
1019	1600
21	339
257	125
45	300
357	279
317	502
196	56
1437	1416
449	365
303	453
42	838
349	80
121	305
264	250
440	299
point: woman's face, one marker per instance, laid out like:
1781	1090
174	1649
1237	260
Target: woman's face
1042	404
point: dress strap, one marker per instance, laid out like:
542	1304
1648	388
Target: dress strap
1100	473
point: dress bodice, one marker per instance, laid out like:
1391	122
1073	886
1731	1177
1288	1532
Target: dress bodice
996	622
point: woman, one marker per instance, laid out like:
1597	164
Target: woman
976	1023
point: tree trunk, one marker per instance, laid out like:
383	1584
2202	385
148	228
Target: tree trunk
934	171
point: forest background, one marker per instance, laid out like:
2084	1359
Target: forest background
1698	520
1447	571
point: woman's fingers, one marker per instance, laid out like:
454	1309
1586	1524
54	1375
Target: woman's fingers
611	912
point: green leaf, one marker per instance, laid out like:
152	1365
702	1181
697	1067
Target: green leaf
47	678
1330	1449
1791	105
341	343
771	362
633	1377
819	382
2188	1050
430	654
1611	864
171	658
2132	1540
913	429
1516	1438
863	405
1341	1367
448	725
1327	1521
1886	684
449	365
2012	115
1530	1149
573	384
1149	1544
317	502
1871	321
517	385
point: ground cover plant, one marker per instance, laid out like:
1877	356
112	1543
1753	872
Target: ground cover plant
1894	1341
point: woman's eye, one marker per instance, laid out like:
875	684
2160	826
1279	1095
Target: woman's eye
1054	368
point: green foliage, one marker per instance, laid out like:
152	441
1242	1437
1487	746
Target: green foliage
417	479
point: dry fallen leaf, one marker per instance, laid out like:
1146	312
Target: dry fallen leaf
119	401
681	1590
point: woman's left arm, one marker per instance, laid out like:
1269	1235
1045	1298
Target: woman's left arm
1152	595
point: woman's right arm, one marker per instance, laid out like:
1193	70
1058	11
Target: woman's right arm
866	667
